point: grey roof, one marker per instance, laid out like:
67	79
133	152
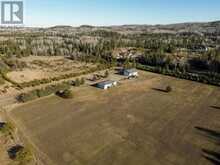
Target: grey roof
106	82
130	70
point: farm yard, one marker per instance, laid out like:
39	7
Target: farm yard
133	123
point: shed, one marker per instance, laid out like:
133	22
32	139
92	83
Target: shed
106	84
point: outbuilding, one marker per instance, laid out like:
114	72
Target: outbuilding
107	84
130	72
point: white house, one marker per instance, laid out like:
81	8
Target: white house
107	84
130	72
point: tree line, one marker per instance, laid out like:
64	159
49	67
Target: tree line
159	50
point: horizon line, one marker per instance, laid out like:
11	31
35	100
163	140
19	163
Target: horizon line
113	25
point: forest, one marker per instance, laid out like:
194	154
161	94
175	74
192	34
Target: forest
183	54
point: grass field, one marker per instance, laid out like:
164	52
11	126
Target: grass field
127	125
46	67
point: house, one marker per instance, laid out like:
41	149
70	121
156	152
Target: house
106	84
130	72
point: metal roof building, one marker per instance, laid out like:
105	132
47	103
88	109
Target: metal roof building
106	84
130	72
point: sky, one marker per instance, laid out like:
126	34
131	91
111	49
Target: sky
118	12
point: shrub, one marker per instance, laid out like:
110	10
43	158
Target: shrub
6	128
25	97
24	156
82	81
20	154
66	94
43	92
77	82
168	89
51	89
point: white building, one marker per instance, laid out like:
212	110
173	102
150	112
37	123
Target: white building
130	72
107	84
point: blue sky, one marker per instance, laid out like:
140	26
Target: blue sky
118	12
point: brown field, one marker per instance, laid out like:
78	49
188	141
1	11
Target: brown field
40	67
132	124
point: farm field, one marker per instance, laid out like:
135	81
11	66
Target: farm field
47	67
134	123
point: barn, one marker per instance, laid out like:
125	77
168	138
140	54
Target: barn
106	84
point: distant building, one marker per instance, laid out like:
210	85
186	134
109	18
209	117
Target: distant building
200	49
130	72
107	84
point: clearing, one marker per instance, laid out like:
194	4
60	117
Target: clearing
131	124
40	67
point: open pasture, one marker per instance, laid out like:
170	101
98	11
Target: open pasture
131	124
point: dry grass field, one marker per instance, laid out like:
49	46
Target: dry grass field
40	67
132	124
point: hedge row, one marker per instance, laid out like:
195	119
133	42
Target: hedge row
6	78
34	94
211	80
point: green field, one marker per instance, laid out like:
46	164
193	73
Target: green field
132	124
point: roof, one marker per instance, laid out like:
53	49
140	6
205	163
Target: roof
130	70
106	82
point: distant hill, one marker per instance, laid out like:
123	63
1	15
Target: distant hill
204	27
199	28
